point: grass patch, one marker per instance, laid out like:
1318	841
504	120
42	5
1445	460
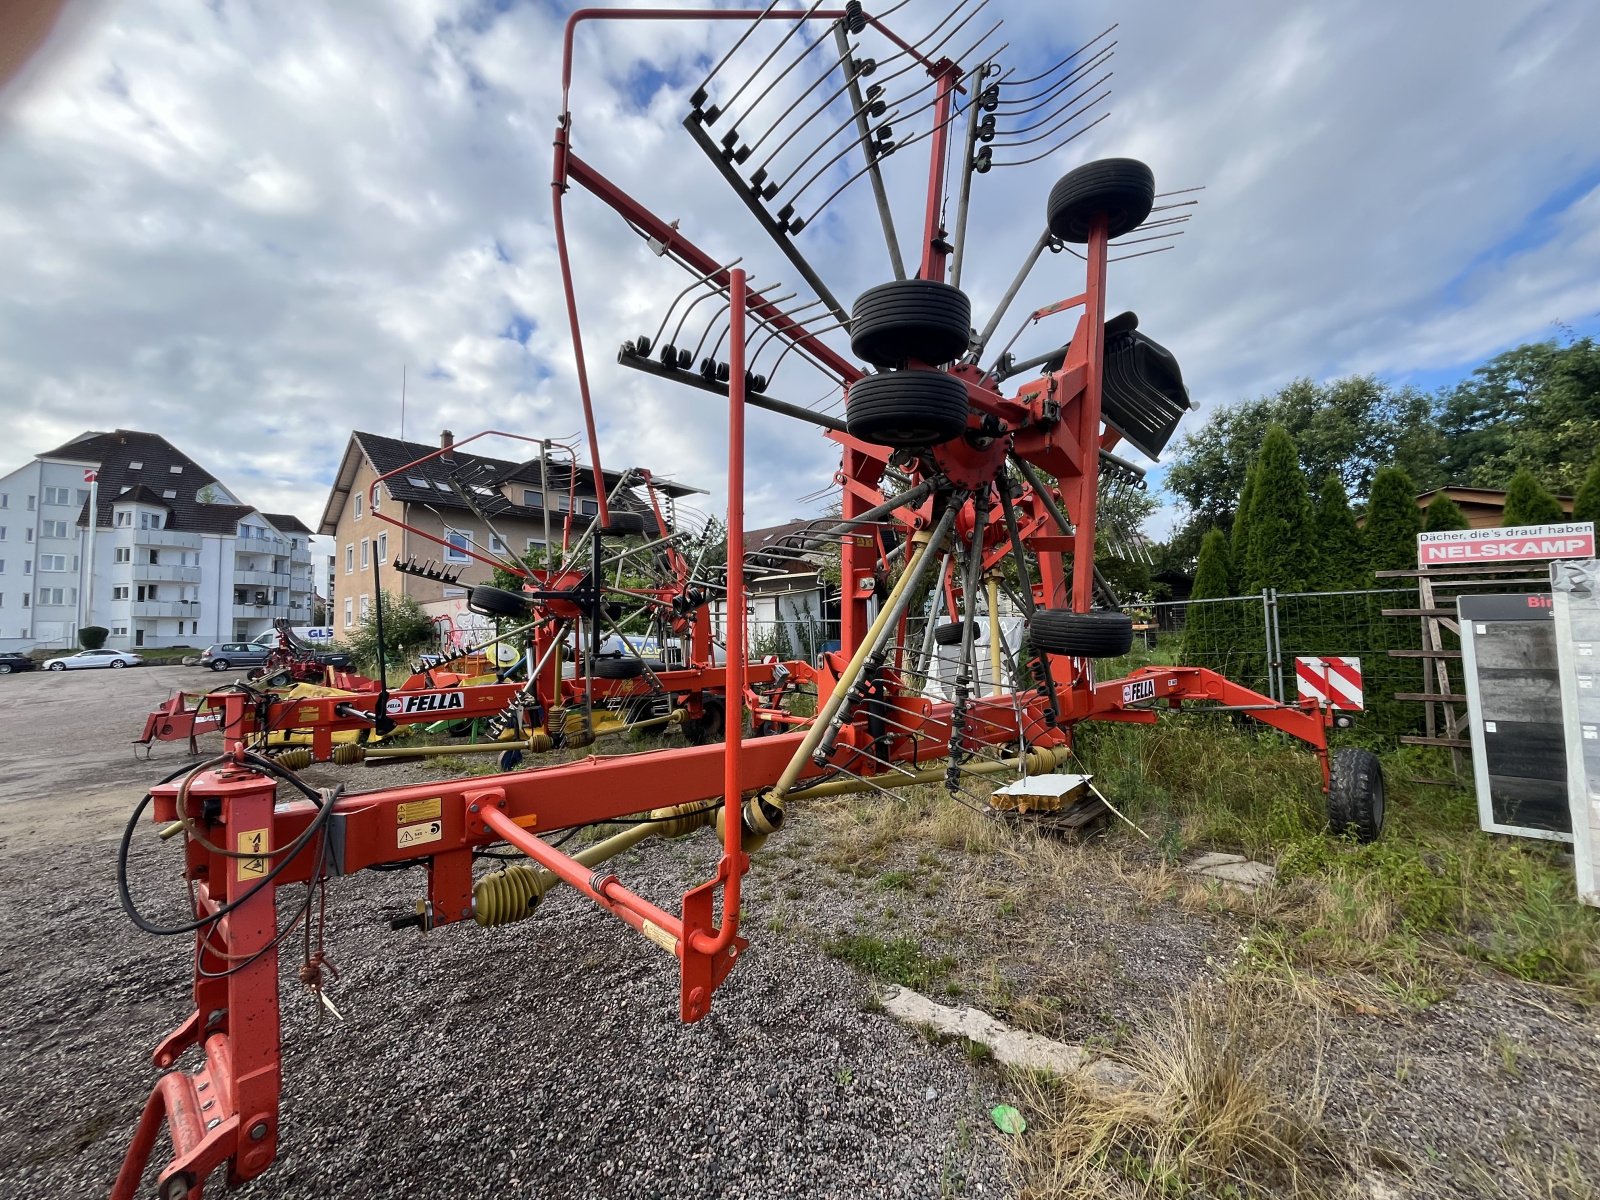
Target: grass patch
901	960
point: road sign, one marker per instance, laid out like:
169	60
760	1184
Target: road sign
1518	543
1335	682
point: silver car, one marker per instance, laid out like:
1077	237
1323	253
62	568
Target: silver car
84	659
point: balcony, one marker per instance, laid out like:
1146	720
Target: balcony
152	572
262	578
166	537
188	610
260	612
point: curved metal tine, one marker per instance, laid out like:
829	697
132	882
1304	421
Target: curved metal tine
773	374
1022	103
693	283
1065	121
772	330
695	303
798	100
1171	233
729	328
911	65
715	318
1054	113
1022	162
794	28
1140	254
910	141
702	92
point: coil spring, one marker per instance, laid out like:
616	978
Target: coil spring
347	754
297	758
508	895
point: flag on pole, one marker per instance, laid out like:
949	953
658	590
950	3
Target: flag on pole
90	474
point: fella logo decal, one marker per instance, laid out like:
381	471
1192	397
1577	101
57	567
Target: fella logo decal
1140	689
436	702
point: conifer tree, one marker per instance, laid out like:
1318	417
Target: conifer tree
1527	502
1277	551
1443	515
1587	506
1340	563
1209	633
1392	522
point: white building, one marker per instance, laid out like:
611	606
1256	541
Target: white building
170	558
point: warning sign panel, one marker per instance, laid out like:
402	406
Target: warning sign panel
253	841
408	812
1517	543
1335	682
417	835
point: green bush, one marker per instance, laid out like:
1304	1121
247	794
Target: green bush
1527	502
92	637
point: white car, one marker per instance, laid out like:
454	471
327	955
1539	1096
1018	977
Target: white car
94	658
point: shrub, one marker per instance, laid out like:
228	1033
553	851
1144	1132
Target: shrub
92	637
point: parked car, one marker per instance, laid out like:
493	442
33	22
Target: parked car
94	658
11	661
224	655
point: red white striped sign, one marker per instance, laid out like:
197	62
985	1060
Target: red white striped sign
1335	682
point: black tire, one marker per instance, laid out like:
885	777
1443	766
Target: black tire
58	666
1081	635
1356	797
281	679
618	668
709	727
1120	189
947	635
496	602
509	760
624	524
907	319
117	664
219	664
5	668
907	408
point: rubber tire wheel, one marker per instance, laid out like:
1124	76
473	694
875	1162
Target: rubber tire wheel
624	524
58	666
906	319
704	730
947	635
1120	189
281	679
5	668
117	663
509	760
219	664
496	602
1356	797
1081	635
618	668
907	408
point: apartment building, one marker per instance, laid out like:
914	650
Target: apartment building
432	497
124	530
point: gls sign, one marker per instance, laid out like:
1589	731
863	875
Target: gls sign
432	702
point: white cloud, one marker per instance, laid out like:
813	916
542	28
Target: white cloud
233	225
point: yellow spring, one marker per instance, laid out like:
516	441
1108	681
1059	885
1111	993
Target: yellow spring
297	759
580	738
509	894
347	754
689	817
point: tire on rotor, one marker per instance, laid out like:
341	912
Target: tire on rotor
624	524
618	668
947	635
906	409
496	602
1097	634
1123	190
905	319
710	725
1356	795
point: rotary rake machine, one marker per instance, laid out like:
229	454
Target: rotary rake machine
952	485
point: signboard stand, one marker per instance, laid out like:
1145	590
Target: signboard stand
1575	596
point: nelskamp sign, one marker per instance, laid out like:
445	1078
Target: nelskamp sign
1519	543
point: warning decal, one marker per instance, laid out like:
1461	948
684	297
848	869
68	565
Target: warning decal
1335	682
417	835
253	841
418	810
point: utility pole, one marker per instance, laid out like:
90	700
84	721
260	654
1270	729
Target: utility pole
91	476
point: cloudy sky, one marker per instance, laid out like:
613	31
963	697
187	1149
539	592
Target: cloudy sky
234	223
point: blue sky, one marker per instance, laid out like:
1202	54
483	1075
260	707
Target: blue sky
234	224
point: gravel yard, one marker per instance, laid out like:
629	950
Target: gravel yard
546	1055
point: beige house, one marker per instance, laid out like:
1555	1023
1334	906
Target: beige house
473	503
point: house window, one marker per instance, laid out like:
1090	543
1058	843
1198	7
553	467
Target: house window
119	631
52	562
349	613
169	493
119	593
155	557
124	554
563	502
30	503
136	466
57	495
377	500
149	520
124	517
456	544
55	529
26	596
365	562
52	595
383	548
535	544
148	592
364	608
5	500
2	533
27	534
588	507
82	496
496	546
175	469
27	566
532	498
349	558
357	497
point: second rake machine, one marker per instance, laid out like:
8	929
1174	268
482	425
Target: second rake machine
952	483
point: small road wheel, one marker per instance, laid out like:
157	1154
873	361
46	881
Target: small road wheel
5	668
58	666
1122	190
1355	800
947	635
905	319
907	408
1081	635
710	725
117	664
618	668
496	602
509	760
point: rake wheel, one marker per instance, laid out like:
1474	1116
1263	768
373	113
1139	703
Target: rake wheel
1123	190
907	408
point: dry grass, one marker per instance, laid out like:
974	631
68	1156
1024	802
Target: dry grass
1229	1102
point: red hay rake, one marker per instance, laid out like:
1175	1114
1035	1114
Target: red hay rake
953	490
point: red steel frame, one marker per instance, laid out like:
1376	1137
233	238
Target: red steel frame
226	1110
